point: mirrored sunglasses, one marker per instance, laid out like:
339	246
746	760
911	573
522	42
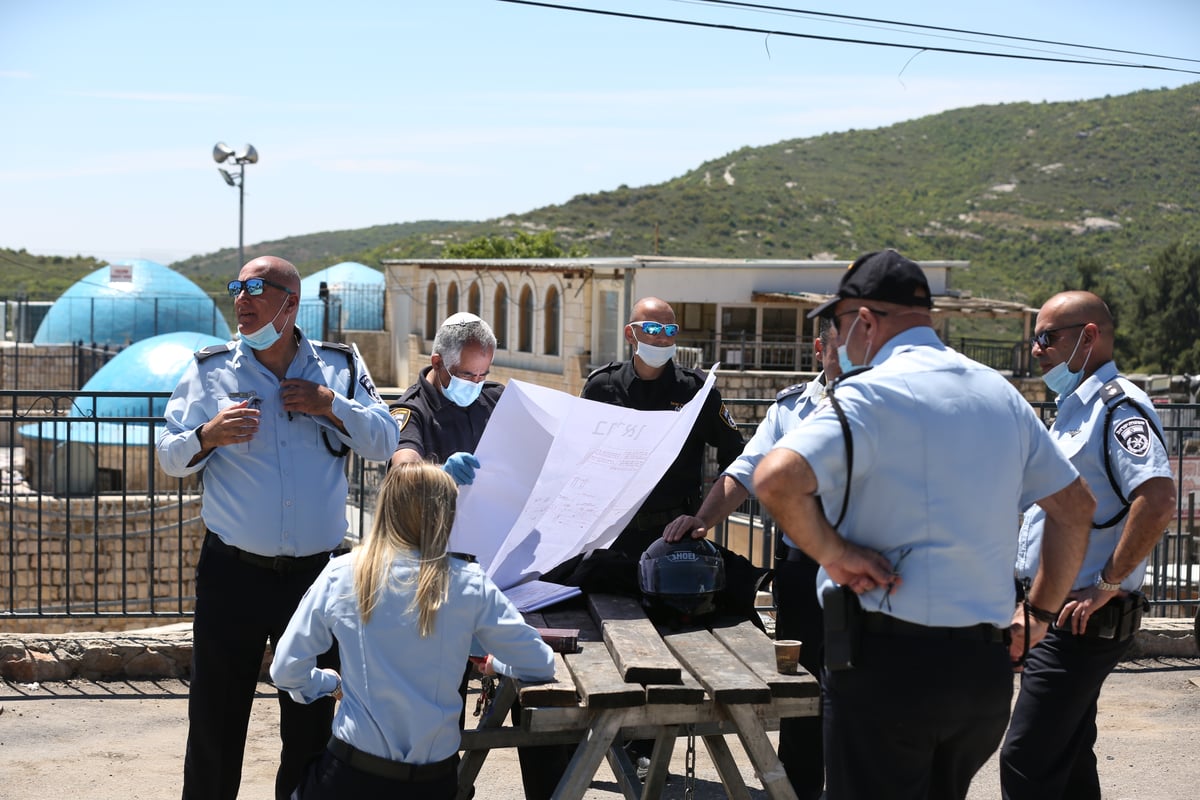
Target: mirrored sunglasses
657	328
1042	339
253	287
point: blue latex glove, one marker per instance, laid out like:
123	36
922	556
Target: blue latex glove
461	467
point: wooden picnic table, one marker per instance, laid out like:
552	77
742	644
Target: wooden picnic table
633	680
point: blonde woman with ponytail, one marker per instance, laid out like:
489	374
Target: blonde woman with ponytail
404	614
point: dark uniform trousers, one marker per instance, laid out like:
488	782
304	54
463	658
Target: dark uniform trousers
1048	754
798	616
916	719
239	606
332	777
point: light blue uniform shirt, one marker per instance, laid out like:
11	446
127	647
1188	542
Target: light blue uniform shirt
1135	454
400	690
788	411
282	493
946	456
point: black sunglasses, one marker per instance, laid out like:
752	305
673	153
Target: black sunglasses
253	287
1042	339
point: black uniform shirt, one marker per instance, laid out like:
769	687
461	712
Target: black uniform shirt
680	487
435	426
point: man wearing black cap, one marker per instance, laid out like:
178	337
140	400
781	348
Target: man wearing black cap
925	459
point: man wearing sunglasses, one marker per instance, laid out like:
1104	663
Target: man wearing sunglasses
1108	428
926	459
269	419
443	414
652	381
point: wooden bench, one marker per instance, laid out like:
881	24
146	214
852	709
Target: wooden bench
633	680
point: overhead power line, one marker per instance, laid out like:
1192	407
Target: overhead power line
852	18
845	40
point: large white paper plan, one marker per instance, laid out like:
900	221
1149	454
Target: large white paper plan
560	476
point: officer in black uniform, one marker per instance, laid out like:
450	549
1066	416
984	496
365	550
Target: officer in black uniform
652	381
443	414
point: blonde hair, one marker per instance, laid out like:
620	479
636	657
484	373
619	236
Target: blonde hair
415	512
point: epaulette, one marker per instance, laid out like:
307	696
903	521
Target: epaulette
789	391
339	346
609	367
1111	392
213	349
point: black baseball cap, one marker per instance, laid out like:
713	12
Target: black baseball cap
885	276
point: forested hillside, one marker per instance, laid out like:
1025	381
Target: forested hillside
1031	194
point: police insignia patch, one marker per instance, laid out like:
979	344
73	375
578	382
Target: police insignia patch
725	415
401	415
1134	436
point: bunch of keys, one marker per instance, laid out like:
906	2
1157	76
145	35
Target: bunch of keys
487	693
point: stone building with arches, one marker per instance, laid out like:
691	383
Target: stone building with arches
557	319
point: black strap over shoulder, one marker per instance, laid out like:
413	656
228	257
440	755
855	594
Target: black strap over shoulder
841	415
1114	396
348	351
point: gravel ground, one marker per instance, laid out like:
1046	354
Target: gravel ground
125	740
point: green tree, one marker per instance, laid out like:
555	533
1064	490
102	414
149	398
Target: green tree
523	245
1168	311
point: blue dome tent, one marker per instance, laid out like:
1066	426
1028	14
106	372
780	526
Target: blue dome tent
126	302
355	300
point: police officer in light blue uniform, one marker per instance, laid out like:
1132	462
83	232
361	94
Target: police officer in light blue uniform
1107	427
268	419
932	457
797	614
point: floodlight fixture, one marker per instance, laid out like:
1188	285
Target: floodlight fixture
248	155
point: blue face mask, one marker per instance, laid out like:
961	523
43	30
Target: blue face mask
1061	380
462	392
843	350
265	336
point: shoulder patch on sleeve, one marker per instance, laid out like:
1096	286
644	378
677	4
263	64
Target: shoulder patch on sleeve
789	391
725	415
1133	434
401	414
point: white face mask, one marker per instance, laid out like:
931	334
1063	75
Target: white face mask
653	355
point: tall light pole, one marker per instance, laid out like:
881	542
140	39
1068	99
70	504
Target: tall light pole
248	155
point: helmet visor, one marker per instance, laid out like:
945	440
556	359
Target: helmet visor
682	573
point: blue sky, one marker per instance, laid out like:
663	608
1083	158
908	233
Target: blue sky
367	113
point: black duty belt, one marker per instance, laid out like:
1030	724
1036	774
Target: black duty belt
386	768
894	626
274	563
790	553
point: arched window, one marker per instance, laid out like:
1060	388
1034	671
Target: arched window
431	310
475	300
500	317
452	299
553	316
525	321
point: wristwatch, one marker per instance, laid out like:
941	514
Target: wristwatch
1104	585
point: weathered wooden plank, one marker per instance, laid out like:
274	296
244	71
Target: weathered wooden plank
569	618
560	692
597	681
719	671
755	649
727	768
687	692
636	647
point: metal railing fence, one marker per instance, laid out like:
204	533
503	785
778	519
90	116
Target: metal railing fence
95	530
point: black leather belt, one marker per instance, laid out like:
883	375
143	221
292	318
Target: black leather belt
795	554
274	563
894	626
386	768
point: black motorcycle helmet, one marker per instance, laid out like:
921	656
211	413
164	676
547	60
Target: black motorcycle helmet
682	576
